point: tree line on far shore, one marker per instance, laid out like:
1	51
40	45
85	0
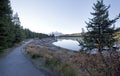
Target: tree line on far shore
11	31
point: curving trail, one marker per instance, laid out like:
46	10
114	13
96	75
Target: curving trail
16	64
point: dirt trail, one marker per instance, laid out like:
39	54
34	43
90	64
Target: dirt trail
16	64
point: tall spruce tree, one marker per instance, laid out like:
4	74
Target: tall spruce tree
101	29
19	33
100	33
5	22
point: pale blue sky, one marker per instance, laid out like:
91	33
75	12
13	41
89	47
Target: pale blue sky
66	16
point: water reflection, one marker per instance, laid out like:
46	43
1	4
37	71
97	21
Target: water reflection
68	44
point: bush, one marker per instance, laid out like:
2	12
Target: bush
34	56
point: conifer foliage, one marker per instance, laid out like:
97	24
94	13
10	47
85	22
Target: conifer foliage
5	23
100	37
11	31
101	29
18	31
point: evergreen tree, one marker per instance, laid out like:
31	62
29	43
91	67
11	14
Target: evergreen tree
100	35
100	28
19	33
11	30
11	35
30	34
5	22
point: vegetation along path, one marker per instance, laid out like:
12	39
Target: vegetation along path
16	64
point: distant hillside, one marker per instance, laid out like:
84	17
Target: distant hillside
56	33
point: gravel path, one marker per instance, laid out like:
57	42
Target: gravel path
16	64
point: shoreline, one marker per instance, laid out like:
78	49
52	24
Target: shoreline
47	43
48	50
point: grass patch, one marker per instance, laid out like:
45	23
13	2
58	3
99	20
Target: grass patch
59	62
60	68
33	55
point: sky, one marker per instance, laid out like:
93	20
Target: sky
65	16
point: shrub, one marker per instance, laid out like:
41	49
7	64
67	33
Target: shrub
34	56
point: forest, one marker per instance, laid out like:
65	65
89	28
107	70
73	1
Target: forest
11	31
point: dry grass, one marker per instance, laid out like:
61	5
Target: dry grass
83	64
61	60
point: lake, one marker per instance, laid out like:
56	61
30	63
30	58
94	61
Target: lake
72	44
68	44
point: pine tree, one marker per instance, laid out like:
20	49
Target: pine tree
101	30
11	30
5	22
19	33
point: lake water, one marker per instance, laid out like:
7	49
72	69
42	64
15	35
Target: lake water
72	44
68	44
